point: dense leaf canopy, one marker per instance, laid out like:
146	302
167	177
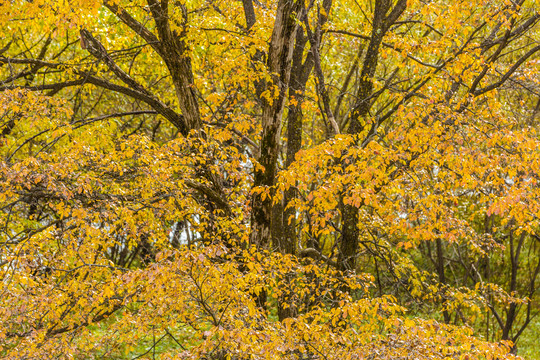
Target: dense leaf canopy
257	179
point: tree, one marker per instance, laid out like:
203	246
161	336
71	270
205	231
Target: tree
215	179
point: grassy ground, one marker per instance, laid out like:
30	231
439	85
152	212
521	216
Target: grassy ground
529	343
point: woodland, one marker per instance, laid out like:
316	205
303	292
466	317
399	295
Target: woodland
269	179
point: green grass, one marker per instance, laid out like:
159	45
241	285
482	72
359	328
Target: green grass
529	343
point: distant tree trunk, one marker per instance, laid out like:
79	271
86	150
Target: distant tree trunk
441	274
511	313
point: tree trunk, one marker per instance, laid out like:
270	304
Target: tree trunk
381	23
441	274
279	65
299	76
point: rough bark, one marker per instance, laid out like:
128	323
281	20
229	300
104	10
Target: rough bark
279	65
249	13
284	232
384	17
172	48
299	77
174	54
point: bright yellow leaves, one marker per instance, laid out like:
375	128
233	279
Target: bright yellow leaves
120	237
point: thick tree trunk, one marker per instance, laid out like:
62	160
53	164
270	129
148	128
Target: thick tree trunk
279	65
173	50
284	232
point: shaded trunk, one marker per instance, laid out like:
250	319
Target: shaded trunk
285	231
279	65
511	313
383	18
173	50
349	238
441	274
